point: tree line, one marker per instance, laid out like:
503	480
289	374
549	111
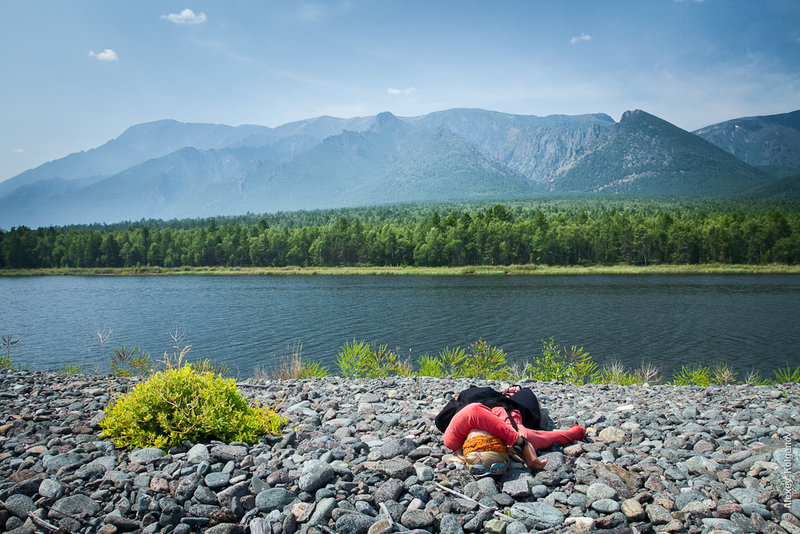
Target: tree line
560	233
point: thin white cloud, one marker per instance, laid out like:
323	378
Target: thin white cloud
105	55
581	37
187	16
407	91
311	12
18	150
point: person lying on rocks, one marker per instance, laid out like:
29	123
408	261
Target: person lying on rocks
484	427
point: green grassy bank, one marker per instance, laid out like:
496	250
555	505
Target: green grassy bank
493	270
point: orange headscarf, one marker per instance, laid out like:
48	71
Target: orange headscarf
484	442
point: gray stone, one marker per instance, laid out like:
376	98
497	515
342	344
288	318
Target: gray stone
794	508
516	527
198	453
122	524
745	495
225	528
354	523
204	495
239	490
578	499
74	506
494	526
686	497
539	491
780	457
146	455
485	486
314	475
606	506
186	487
657	514
754	508
449	524
517	488
274	499
216	480
416	519
20	505
399	468
389	491
423	472
51	489
397	448
722	524
227	453
322	511
543	515
54	463
699	465
599	490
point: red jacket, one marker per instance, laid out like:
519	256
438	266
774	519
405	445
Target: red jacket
476	415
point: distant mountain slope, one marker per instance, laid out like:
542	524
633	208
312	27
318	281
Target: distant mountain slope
768	141
647	155
135	145
536	147
168	169
391	162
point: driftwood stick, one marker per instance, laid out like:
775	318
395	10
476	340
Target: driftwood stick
387	514
49	527
497	513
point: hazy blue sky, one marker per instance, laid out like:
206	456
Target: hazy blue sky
75	74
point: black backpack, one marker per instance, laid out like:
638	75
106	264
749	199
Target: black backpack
524	400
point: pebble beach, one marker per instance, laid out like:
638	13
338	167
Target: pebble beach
363	456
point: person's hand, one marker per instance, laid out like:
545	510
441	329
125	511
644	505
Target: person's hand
531	460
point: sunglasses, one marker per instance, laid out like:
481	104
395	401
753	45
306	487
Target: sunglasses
480	470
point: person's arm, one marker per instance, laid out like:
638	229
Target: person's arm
528	453
478	416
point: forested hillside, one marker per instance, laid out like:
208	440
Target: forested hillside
564	232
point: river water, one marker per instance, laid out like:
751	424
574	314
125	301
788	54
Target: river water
749	322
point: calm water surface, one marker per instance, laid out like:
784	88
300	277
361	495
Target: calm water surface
749	322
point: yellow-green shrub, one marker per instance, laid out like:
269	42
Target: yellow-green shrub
183	404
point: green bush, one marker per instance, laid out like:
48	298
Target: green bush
430	366
572	365
616	374
361	360
787	375
180	404
692	376
484	361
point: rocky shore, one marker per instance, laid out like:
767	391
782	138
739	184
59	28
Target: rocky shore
363	456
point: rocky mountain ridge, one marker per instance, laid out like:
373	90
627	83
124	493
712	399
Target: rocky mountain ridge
167	169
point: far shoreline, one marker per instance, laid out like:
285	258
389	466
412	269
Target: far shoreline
471	270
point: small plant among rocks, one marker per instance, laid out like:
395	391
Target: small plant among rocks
184	403
7	341
130	362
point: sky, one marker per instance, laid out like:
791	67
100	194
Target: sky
74	75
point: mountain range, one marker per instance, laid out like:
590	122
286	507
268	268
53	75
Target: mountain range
168	169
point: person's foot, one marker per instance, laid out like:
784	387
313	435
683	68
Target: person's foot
577	432
537	464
